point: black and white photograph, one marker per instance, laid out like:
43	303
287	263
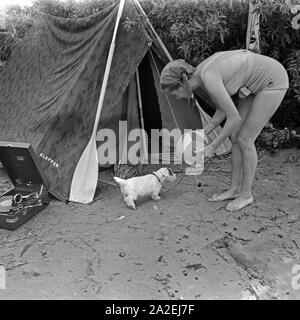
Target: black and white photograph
150	152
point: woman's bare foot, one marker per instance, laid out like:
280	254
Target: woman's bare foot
239	203
227	195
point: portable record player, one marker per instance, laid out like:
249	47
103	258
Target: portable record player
29	195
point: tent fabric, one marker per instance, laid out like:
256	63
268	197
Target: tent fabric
50	87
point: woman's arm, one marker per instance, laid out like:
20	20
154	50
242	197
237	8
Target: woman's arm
217	118
217	92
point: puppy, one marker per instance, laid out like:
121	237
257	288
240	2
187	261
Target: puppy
149	184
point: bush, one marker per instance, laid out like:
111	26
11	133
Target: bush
71	8
193	30
19	21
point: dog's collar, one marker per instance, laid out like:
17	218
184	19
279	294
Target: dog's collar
156	177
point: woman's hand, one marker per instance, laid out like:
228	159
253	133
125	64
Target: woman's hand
209	151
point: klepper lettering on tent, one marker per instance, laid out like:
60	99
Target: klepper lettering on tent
51	161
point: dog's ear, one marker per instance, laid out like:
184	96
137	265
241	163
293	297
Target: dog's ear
164	172
170	172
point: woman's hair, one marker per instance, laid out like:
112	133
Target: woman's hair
171	87
172	75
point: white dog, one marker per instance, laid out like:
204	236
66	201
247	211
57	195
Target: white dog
149	184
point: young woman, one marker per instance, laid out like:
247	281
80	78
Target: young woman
261	83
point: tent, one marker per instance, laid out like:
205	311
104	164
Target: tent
70	77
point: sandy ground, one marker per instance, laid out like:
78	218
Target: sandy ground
181	247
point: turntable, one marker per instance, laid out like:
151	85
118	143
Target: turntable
29	195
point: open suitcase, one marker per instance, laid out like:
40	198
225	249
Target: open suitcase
29	195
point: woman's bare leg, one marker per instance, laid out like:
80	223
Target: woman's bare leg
263	107
237	165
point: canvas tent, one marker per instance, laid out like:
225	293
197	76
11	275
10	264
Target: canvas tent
70	77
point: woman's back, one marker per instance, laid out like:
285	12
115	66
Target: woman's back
233	66
245	71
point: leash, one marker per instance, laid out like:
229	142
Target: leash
165	191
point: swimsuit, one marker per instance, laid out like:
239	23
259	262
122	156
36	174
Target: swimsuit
256	73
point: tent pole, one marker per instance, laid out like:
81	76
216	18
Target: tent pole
145	148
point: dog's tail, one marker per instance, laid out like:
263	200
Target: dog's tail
119	181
